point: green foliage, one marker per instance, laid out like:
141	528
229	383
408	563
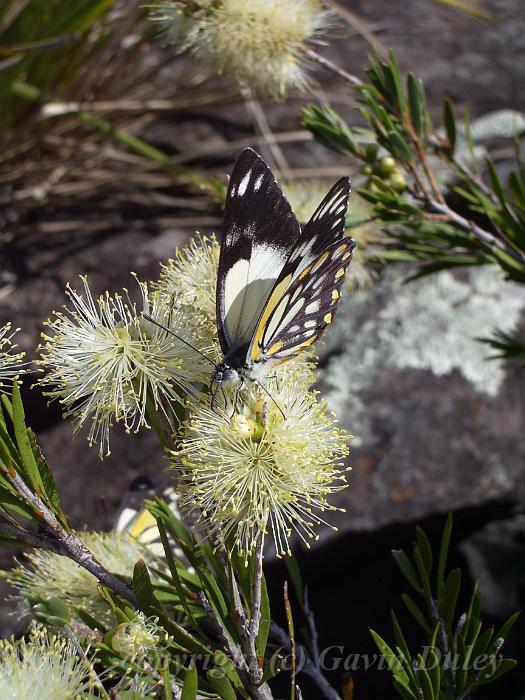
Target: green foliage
21	459
460	653
506	345
49	40
435	221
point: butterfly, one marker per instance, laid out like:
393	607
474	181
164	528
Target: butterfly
278	283
134	517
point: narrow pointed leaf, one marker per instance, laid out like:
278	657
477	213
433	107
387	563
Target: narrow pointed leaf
450	123
189	689
425	550
407	568
414	103
416	613
443	555
30	468
450	597
220	683
503	666
265	620
404	691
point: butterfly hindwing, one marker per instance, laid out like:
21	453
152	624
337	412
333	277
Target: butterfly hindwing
305	295
259	232
307	306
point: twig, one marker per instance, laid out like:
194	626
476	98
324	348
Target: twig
308	667
314	638
74	641
261	692
492	657
333	67
421	154
255	108
66	543
255	613
450	676
467	225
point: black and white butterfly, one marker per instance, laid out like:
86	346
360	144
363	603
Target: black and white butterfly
278	283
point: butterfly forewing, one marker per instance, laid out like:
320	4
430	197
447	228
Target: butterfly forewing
259	231
326	227
305	295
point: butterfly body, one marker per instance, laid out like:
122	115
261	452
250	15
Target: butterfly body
278	283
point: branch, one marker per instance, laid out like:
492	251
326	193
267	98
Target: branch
308	667
252	629
56	538
333	67
468	225
256	692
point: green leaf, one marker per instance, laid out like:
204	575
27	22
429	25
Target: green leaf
391	659
50	491
220	683
506	626
11	502
30	473
143	588
416	613
404	691
182	595
490	675
401	644
443	555
450	123
394	78
450	597
398	147
434	670
407	568
264	624
414	103
89	620
328	127
424	679
425	550
168	695
294	573
495	181
189	689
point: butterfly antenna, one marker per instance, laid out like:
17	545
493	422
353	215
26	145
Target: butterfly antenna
268	394
168	330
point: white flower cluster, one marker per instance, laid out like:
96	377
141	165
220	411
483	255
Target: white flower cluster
11	363
45	667
44	573
260	43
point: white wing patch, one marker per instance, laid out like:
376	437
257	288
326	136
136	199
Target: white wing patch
247	287
243	185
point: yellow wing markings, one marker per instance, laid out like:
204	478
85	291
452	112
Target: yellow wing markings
271	304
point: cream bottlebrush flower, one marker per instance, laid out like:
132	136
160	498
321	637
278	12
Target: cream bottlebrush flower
262	464
259	43
304	197
44	667
190	279
134	639
105	362
11	363
44	574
